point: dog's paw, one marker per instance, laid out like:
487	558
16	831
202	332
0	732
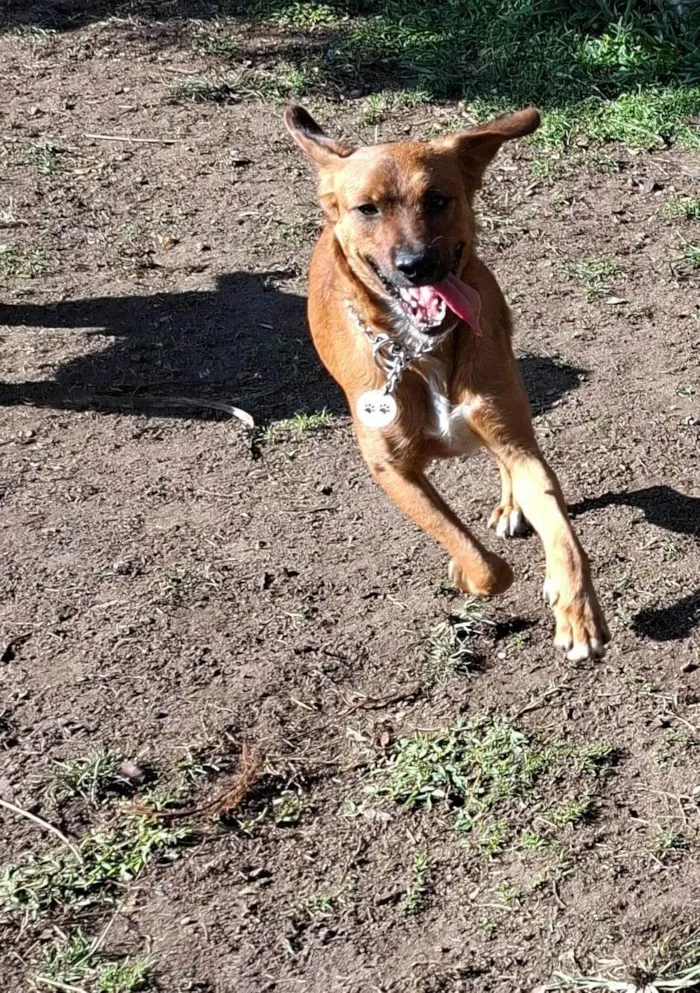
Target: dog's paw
507	520
581	629
487	578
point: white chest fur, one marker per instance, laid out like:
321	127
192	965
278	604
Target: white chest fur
447	422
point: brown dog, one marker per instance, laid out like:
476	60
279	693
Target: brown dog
415	329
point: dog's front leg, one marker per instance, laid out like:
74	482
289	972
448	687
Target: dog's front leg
473	568
580	625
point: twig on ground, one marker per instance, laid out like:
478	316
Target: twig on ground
43	824
132	138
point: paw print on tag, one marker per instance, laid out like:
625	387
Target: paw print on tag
376	409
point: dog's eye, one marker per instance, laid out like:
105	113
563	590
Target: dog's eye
368	209
435	202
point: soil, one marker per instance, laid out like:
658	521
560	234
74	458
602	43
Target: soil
171	583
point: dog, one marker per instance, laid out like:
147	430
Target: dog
415	330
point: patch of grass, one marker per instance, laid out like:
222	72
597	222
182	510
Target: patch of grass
300	231
687	208
450	646
495	779
198	89
92	777
44	159
185	584
297	428
417	890
128	976
572	812
669	966
21	263
302	16
71	961
668	844
378	106
108	858
306	915
691	257
595	274
613	71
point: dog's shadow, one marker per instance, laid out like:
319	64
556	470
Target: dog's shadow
672	511
244	343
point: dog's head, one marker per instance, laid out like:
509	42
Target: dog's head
402	212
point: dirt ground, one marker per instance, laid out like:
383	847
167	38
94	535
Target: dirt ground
173	586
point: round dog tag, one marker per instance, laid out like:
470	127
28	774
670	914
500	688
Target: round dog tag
376	409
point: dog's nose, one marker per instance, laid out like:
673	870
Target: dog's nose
419	266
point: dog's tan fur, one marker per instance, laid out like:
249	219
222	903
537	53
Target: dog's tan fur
465	393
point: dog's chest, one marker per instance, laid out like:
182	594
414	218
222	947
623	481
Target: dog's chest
447	423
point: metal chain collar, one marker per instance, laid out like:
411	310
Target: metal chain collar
390	355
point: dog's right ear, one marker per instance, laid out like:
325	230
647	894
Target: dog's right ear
315	144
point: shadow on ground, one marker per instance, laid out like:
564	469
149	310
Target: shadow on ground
244	343
672	511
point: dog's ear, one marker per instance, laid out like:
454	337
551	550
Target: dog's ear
315	144
477	147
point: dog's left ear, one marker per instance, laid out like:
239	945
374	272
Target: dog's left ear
313	141
477	147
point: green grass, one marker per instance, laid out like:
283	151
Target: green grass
297	428
198	89
687	208
377	107
691	257
450	645
71	961
21	263
601	70
594	274
108	859
92	777
497	782
668	844
416	893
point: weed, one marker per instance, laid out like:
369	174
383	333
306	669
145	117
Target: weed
201	90
418	887
44	159
183	584
685	391
691	258
296	428
668	844
306	915
378	106
572	812
71	962
128	976
450	645
687	208
287	809
508	893
669	966
92	777
595	274
107	858
494	778
300	232
21	263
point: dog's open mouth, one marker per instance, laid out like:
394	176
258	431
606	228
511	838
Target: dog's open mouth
427	306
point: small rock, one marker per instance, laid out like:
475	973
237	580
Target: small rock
131	772
690	666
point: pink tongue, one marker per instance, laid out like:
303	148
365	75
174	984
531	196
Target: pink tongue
463	300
